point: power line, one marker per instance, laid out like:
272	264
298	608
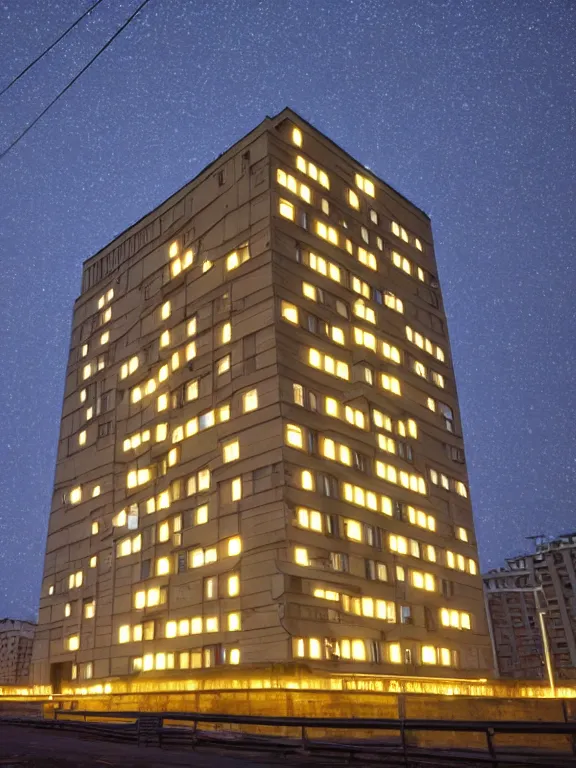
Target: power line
47	50
71	83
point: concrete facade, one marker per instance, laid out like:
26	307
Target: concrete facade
261	456
535	594
16	639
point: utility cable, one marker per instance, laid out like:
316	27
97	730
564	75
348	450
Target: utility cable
47	50
71	83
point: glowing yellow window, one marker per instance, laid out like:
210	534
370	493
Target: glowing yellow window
307	480
367	258
234	624
353	199
301	556
162	566
231	451
323	179
171	629
124	633
390	384
234	546
286	209
165	310
358	650
428	654
290	311
399	544
162	403
462	533
314	358
297	137
226	333
353	530
233	585
472	567
309	291
250	401
76	495
201	515
394	653
294	436
236	489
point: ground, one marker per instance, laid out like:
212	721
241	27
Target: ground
31	748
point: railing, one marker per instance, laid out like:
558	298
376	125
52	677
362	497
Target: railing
181	730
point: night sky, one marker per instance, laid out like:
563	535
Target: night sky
466	107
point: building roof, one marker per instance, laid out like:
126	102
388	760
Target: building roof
287	112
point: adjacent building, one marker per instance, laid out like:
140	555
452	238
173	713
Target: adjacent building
16	638
531	606
260	457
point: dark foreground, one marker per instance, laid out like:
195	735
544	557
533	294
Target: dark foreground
32	748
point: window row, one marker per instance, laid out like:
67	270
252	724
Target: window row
337	526
360	649
198	658
327	268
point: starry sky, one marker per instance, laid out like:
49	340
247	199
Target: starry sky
465	107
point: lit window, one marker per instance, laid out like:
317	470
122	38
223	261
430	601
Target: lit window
353	199
364	184
307	480
290	312
353	530
428	654
190	351
236	489
311	170
297	137
234	622
162	566
93	561
76	495
223	365
226	333
82	438
286	209
250	401
309	518
238	257
462	533
192	390
367	258
124	633
231	451
162	403
234	546
327	232
233	585
390	384
165	310
294	436
301	556
73	642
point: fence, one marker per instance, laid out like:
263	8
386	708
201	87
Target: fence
181	731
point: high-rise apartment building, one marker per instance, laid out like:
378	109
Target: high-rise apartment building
16	638
531	606
260	457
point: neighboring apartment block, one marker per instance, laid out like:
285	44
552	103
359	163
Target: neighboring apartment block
261	456
531	607
16	638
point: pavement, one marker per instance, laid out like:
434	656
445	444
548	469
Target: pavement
22	747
